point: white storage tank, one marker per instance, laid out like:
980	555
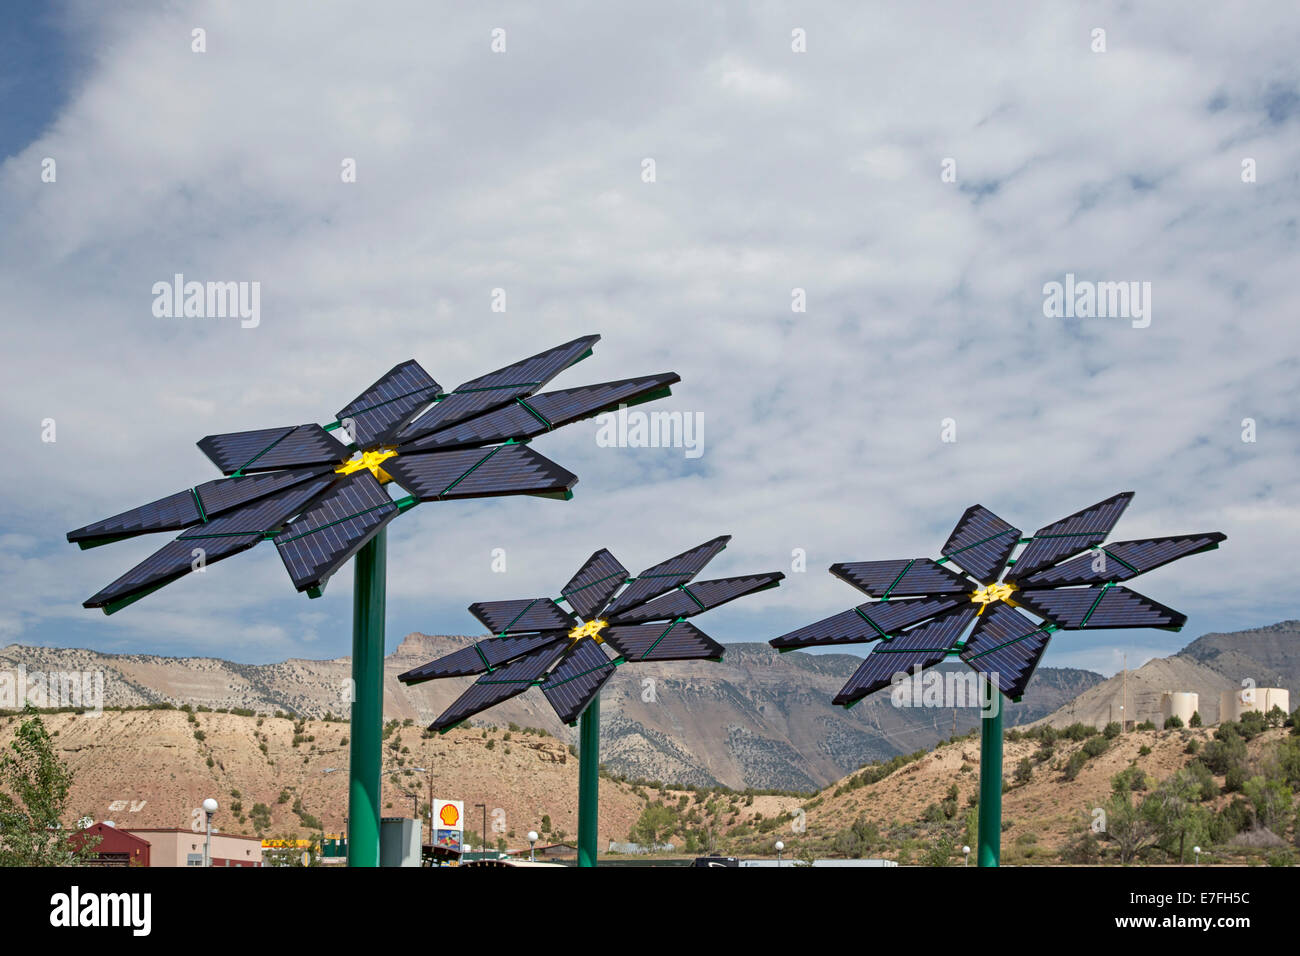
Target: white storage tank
1181	704
1234	703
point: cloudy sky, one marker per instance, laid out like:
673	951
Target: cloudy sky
1161	151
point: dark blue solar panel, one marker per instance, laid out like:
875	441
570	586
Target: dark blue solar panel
902	578
690	599
376	415
499	388
981	543
522	616
1005	647
336	527
923	646
527	417
666	575
847	627
677	641
208	543
479	657
867	622
1069	536
890	617
501	684
1079	608
577	679
166	514
479	473
224	494
270	448
1121	560
595	583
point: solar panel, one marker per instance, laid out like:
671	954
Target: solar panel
666	575
981	543
526	417
675	641
403	404
208	543
691	599
921	647
521	617
1104	607
1005	647
499	388
501	684
269	448
166	514
590	589
902	578
577	679
1121	560
322	539
376	415
479	473
1069	536
479	657
867	622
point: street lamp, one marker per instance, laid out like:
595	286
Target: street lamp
1197	851
484	836
532	846
209	808
429	774
965	851
779	847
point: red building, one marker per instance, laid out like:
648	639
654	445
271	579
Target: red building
116	847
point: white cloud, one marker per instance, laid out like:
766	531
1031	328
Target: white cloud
776	170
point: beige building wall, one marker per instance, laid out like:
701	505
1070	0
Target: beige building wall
1180	704
1234	703
185	848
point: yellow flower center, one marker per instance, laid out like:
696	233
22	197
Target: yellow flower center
589	629
992	594
369	460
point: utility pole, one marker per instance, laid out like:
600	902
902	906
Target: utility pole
1124	709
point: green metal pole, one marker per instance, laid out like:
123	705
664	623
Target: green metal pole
990	815
367	703
588	782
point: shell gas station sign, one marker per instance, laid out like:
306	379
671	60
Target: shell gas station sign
448	824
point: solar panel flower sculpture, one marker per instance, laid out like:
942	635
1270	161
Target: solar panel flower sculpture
323	501
567	654
996	613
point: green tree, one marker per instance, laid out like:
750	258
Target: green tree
34	787
1127	826
1196	719
654	825
939	853
1174	810
1271	800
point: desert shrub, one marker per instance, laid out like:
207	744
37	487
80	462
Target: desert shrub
1075	764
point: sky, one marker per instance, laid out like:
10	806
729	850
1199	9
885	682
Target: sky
919	171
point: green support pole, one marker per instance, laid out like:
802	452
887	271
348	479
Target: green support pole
588	782
367	703
990	816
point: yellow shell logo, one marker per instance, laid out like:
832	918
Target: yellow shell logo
448	815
